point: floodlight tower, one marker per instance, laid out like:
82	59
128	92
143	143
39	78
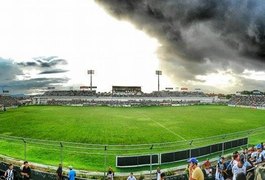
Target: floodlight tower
158	73
90	72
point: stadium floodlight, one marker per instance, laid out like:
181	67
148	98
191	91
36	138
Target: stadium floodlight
158	73
91	72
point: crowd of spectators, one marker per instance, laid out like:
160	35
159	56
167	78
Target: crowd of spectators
121	103
115	99
70	93
238	166
8	101
175	94
124	94
248	100
24	172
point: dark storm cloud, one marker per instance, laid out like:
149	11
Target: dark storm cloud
253	84
32	85
198	37
44	62
36	83
55	71
8	70
47	65
27	64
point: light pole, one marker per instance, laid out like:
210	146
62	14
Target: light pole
158	73
90	72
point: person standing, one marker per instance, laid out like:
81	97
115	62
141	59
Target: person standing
220	169
238	168
207	167
110	174
9	174
26	171
59	172
158	173
195	172
71	173
260	154
131	177
162	176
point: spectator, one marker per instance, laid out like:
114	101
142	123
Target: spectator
220	169
260	155
59	172
162	176
254	155
110	173
71	173
245	154
228	169
238	168
26	171
251	150
207	167
241	176
195	172
131	177
10	173
158	173
236	158
248	164
207	164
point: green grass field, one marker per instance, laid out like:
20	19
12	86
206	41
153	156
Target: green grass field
115	126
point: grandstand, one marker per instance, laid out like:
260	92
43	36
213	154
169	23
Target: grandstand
122	96
257	101
70	93
126	90
8	101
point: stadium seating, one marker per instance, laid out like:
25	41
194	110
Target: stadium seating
248	100
91	98
70	93
8	101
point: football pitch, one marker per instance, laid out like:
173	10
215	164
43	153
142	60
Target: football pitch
114	126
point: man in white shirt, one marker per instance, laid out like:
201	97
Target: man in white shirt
220	169
158	174
131	177
238	168
9	174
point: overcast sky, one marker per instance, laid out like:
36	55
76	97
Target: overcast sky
218	47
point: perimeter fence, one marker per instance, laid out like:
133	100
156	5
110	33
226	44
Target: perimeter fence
99	156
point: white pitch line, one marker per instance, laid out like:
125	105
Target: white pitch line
161	125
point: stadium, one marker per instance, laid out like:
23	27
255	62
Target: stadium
122	129
126	90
